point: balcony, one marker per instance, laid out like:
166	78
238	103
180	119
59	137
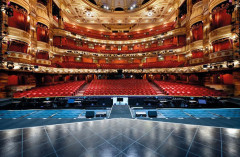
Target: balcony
223	55
43	62
43	46
196	45
19	57
219	33
18	34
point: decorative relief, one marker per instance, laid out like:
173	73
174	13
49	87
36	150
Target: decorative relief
43	61
221	54
196	45
222	32
22	3
196	61
20	55
42	15
214	3
18	34
43	46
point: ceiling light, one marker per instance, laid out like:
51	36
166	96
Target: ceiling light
150	13
88	13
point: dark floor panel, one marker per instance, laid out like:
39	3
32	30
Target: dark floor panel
120	111
120	138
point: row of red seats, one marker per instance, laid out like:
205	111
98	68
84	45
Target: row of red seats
179	89
70	45
120	87
163	64
77	65
120	51
119	66
80	65
119	36
65	89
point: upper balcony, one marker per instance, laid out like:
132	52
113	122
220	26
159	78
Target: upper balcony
220	16
20	18
119	36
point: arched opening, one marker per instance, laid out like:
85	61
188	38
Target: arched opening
119	9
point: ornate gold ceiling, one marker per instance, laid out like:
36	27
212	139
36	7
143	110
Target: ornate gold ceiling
85	13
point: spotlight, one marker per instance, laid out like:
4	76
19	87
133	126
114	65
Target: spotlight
205	66
25	68
150	13
10	65
230	64
35	66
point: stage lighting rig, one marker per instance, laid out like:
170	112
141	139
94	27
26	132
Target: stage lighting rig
10	65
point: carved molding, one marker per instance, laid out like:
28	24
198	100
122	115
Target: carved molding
43	46
42	15
175	32
22	3
218	54
197	13
20	55
18	34
196	45
222	32
43	61
196	61
214	3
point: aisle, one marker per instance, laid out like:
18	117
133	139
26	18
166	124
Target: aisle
159	92
80	93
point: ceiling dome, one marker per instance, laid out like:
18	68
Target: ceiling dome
119	5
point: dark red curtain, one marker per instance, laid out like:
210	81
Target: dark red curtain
220	17
197	31
42	33
12	80
42	55
19	19
222	45
56	41
18	46
168	41
197	54
181	40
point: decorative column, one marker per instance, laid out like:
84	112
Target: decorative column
189	7
60	20
236	81
49	7
125	5
139	3
178	18
206	27
112	5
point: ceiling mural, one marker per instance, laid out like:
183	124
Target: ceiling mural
103	12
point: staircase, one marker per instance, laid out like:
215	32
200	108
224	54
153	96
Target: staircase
157	89
81	92
120	111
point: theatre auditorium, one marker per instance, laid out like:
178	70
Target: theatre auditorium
120	78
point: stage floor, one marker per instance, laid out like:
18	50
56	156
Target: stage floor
121	138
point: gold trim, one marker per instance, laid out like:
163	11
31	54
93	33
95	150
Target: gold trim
196	45
18	34
43	46
222	32
22	3
214	3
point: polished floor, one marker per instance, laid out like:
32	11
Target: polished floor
120	138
